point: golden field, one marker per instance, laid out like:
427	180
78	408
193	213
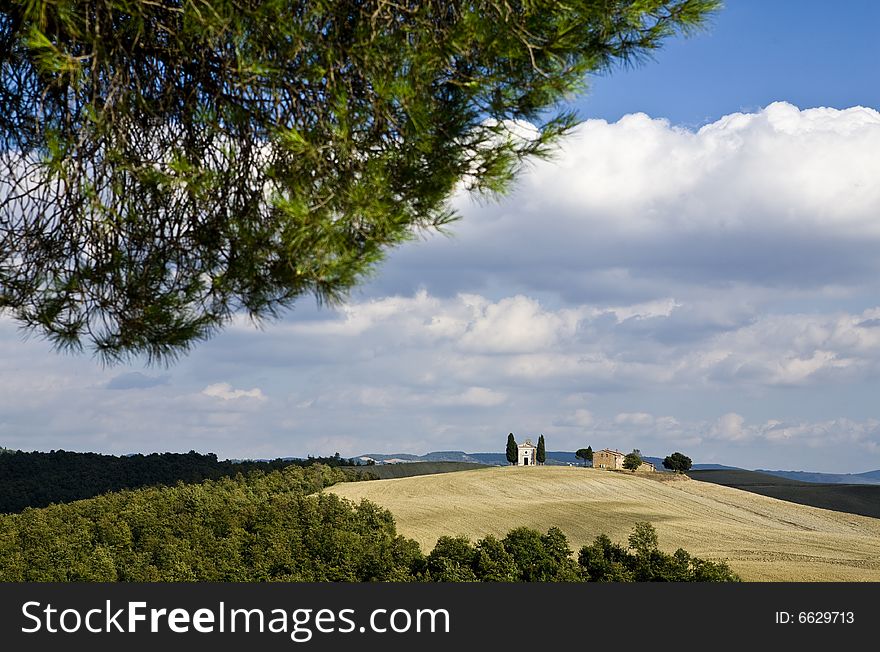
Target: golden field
763	539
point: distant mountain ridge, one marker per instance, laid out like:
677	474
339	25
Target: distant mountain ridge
554	458
868	477
565	458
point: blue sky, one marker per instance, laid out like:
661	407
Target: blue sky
697	270
809	53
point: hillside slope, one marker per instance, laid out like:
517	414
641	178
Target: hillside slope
861	499
762	538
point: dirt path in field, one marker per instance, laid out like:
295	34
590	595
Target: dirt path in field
762	538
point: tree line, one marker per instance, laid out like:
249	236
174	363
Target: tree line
526	555
34	479
270	527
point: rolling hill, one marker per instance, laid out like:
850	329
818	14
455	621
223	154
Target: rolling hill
762	538
868	477
863	499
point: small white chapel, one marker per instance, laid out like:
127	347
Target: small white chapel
527	454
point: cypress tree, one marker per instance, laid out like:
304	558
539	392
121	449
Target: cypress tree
542	454
512	450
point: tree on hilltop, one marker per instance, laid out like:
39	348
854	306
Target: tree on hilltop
541	452
165	166
633	460
585	454
677	462
512	449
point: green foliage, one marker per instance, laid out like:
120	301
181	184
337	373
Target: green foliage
677	462
585	454
39	479
524	555
452	560
166	165
604	561
541	558
541	453
512	450
632	461
643	539
492	562
264	527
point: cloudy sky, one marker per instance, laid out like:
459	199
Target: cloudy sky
698	269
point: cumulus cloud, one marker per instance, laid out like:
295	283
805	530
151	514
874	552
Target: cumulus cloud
781	197
729	427
475	341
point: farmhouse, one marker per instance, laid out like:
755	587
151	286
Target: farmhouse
608	459
527	454
613	459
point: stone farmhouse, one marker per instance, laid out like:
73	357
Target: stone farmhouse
608	458
527	454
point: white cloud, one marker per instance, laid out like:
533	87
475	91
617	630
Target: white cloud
792	166
225	392
422	343
634	418
514	325
863	436
781	198
729	427
658	308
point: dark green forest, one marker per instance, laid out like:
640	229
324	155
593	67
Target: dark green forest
275	527
40	479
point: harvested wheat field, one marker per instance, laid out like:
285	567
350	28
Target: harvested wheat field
763	539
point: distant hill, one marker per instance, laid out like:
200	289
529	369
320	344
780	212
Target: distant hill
658	464
411	469
554	458
863	499
493	459
868	477
435	456
566	458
